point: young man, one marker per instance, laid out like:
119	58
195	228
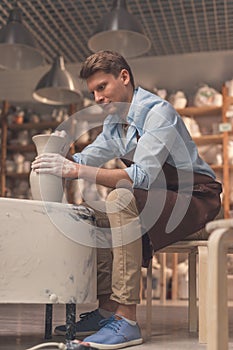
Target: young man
165	191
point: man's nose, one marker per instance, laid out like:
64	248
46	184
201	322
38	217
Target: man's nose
99	98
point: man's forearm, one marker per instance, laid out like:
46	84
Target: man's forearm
107	177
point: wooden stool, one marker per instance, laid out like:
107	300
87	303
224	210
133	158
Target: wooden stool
197	320
219	244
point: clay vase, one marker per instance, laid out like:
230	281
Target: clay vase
46	187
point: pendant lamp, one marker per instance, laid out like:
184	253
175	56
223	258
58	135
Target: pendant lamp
119	31
57	86
19	50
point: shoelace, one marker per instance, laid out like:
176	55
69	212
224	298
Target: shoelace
111	323
86	315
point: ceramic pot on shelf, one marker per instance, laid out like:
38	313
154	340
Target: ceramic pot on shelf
48	187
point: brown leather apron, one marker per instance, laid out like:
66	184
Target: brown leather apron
192	199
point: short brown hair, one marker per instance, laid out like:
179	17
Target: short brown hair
109	62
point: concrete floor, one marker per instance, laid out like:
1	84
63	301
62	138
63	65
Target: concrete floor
22	326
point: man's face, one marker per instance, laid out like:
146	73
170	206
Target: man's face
107	89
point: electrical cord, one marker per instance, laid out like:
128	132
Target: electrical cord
70	345
60	346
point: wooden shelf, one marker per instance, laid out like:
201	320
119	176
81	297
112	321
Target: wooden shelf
21	149
12	145
216	167
200	111
20	176
208	139
228	100
36	126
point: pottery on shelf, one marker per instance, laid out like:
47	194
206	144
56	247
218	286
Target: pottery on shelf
48	187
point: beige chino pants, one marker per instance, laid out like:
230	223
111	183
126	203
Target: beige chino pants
119	253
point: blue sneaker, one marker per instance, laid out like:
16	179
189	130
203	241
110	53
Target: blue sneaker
89	323
116	333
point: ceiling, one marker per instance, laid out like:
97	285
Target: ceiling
173	26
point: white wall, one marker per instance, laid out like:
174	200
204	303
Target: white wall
177	72
185	72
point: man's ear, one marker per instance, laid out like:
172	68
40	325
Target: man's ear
125	76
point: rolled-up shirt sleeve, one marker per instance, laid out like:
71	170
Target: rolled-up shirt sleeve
138	176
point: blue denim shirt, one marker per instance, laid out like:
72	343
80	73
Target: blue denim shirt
163	138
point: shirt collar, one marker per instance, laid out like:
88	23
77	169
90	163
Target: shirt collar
138	108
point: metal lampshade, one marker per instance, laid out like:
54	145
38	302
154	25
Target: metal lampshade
57	86
120	31
19	50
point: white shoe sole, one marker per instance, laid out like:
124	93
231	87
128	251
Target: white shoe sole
116	346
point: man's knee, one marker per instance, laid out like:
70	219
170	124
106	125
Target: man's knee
121	200
120	197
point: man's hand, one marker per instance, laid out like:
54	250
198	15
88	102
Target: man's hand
55	164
